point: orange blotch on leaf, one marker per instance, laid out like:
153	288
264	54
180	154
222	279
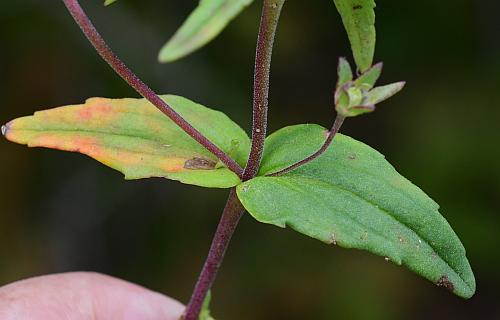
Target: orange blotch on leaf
173	165
97	108
86	145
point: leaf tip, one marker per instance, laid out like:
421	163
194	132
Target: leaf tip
170	53
165	56
398	86
401	84
5	130
378	66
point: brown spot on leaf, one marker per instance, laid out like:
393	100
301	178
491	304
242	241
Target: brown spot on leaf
445	283
352	156
200	164
357	7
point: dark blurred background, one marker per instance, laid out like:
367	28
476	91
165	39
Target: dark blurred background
62	211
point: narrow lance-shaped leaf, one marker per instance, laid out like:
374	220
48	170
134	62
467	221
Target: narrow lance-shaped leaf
133	137
382	93
203	25
352	197
358	17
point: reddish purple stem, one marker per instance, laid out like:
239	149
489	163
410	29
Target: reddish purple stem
227	225
123	71
268	24
233	210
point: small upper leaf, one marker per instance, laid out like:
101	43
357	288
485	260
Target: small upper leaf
132	136
356	97
344	72
358	17
367	80
204	24
351	196
382	93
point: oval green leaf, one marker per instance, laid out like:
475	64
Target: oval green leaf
202	26
133	137
352	197
358	17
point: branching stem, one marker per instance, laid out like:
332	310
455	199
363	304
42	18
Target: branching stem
233	211
131	78
339	120
268	24
227	225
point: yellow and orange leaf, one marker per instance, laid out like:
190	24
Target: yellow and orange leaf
133	137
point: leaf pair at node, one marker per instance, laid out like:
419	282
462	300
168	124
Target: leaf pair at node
350	196
354	97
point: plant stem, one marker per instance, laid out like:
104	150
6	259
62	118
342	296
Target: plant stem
269	21
339	120
131	78
227	225
233	211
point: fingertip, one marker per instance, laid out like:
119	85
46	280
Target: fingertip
84	295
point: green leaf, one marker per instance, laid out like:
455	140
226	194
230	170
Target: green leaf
379	94
133	137
352	197
368	79
358	17
108	2
203	25
344	72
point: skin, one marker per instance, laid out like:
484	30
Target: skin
81	295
